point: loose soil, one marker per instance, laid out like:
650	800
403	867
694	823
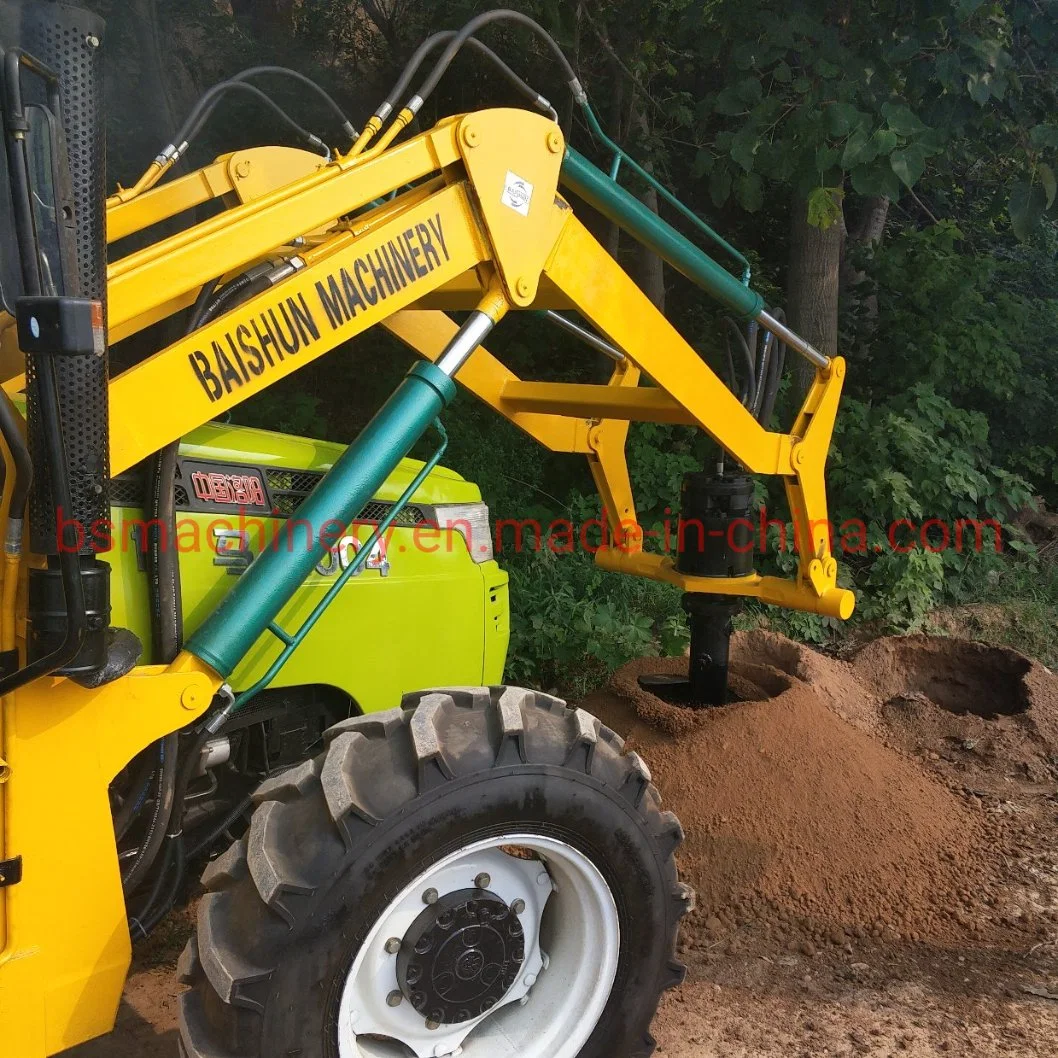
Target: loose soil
872	841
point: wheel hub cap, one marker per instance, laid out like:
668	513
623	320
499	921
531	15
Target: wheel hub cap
461	957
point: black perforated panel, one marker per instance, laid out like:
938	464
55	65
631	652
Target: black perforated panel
71	41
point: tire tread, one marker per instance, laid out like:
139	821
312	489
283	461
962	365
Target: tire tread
228	986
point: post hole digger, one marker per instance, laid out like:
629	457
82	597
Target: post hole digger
476	870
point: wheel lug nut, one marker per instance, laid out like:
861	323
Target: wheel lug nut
431	896
518	906
392	946
543	878
483	881
394	999
432	1025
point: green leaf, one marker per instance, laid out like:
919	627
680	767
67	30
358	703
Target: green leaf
744	148
827	158
854	149
1043	136
877	178
979	87
909	164
884	142
750	90
782	73
966	8
729	102
720	185
948	69
901	120
1028	202
703	162
842	118
824	206
749	191
1050	185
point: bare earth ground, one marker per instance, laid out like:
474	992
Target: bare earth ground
874	847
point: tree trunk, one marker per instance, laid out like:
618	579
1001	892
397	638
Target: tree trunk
650	269
867	231
813	284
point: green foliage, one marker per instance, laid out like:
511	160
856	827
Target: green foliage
572	624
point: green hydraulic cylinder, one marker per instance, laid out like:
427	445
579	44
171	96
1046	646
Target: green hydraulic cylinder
626	211
616	204
276	574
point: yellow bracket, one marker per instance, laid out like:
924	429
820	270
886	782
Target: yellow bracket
68	947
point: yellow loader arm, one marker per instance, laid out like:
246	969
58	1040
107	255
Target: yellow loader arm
455	229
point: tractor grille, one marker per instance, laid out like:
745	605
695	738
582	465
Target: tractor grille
128	489
287	490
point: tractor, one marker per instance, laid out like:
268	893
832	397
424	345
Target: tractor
402	856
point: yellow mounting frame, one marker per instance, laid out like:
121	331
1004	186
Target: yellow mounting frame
439	198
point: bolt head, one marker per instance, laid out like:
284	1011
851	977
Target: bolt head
92	40
530	980
392	946
554	141
471	136
518	907
543	878
431	896
394	999
523	287
431	1025
242	169
483	881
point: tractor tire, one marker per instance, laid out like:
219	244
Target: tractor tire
292	942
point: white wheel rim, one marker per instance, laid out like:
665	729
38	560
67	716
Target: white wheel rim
572	944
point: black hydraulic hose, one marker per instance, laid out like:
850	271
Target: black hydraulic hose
228	821
763	368
203	299
16	445
437	39
163	560
775	373
243	286
285	71
252	281
160	816
170	608
138	788
158	907
732	378
478	23
136	918
748	392
205	106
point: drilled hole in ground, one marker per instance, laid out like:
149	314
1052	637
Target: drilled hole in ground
962	677
747	683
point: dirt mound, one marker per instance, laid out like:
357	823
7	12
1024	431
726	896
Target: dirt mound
802	809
